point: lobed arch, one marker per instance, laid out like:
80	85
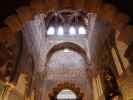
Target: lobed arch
67	85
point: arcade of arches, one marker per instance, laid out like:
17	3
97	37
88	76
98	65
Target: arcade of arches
66	50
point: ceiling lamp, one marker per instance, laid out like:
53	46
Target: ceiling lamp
82	30
51	30
60	31
72	30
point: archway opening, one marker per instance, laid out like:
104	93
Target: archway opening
67	91
66	94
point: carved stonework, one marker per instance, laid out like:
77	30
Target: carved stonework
105	59
7	61
129	53
107	69
39	43
66	85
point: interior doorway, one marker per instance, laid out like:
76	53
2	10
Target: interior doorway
67	94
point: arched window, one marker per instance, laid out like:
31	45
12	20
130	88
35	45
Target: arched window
66	23
66	94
